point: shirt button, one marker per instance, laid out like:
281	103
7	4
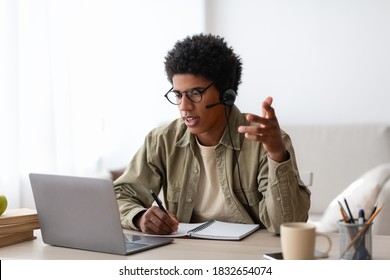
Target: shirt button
281	171
196	170
189	200
278	198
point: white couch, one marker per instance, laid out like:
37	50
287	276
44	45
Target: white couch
345	159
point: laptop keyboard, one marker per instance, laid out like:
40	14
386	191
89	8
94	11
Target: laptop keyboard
133	245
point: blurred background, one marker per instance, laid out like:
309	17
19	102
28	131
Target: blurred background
82	81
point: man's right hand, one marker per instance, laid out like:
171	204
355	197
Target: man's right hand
156	221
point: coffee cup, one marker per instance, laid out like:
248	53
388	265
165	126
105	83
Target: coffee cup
298	240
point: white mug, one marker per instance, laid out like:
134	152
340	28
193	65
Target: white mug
298	241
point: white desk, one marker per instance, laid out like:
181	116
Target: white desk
251	248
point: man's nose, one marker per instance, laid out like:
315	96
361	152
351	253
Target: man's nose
186	103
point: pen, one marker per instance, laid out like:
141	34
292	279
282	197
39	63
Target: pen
373	210
158	201
351	219
361	247
361	216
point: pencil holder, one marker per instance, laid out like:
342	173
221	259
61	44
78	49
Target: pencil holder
355	241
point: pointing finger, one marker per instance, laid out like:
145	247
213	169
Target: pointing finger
268	111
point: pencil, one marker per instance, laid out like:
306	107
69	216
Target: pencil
362	231
343	214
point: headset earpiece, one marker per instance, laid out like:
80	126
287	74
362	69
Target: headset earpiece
228	97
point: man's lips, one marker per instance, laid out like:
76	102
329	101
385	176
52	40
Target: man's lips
191	121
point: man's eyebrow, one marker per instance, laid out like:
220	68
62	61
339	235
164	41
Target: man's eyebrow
196	87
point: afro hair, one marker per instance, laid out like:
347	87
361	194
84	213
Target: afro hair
208	56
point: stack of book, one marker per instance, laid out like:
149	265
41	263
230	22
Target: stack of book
17	225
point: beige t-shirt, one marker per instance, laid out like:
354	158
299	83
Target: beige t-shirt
210	203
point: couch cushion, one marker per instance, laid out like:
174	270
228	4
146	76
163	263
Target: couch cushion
381	224
337	155
370	189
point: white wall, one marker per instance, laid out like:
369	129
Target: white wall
82	82
144	31
322	61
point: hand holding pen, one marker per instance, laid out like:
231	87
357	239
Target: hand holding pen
156	219
158	201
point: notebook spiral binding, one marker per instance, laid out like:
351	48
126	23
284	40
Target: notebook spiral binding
203	226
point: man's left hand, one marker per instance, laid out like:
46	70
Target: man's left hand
267	132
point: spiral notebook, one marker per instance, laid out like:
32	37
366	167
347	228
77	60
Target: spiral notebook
214	230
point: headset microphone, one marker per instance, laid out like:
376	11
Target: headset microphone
208	106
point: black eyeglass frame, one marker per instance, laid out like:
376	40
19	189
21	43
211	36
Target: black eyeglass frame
201	92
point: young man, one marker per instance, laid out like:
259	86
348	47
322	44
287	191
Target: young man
213	162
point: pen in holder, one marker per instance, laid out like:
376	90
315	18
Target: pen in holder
355	241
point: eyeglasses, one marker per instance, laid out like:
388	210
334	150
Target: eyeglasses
193	94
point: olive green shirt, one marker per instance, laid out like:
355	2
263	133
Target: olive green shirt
167	161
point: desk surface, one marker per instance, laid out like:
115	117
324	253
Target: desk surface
251	248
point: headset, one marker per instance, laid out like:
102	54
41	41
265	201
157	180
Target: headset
227	98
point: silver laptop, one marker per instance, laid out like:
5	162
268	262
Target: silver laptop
82	213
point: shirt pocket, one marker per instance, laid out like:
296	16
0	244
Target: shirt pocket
173	194
173	197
